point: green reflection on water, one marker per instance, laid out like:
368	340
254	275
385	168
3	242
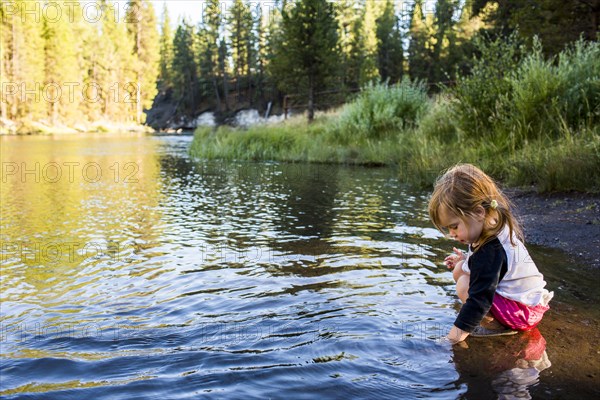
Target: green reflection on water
73	208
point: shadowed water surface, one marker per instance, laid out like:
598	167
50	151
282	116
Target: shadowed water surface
131	271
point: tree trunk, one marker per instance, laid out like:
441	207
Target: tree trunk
237	87
138	94
14	68
4	98
260	88
3	108
596	17
54	113
249	94
218	98
311	99
138	98
225	91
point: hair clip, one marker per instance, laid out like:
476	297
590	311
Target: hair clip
494	204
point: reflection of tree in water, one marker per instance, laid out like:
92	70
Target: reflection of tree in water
507	367
306	215
333	210
99	205
310	196
286	217
246	211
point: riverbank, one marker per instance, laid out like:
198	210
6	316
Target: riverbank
418	153
26	127
562	232
534	123
566	221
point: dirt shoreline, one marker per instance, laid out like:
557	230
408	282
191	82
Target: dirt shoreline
569	222
562	232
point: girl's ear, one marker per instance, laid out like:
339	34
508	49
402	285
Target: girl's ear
480	212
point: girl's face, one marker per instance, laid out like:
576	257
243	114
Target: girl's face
466	230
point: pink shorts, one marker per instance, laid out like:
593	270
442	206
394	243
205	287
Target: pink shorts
516	315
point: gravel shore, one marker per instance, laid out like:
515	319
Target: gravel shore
566	221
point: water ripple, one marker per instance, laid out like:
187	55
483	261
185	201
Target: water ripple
219	279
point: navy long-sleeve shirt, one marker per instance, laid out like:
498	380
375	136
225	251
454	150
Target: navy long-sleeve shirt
488	266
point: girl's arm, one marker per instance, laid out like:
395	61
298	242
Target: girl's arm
486	265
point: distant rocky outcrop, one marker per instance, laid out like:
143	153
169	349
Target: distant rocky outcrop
166	116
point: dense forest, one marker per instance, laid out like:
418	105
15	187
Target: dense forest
68	62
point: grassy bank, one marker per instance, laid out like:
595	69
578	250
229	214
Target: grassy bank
523	119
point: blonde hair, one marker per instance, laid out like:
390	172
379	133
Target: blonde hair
462	189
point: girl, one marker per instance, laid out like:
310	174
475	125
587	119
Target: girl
497	274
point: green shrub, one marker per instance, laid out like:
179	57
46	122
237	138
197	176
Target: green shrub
580	66
551	99
439	122
513	99
534	105
482	95
381	111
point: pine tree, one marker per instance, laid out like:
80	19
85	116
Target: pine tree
465	30
86	52
5	60
468	24
141	25
346	16
205	68
419	54
269	34
123	90
357	69
184	69
261	44
60	67
252	53
22	63
445	40
223	55
240	26
209	49
390	57
113	80
165	80
306	55
373	10
555	22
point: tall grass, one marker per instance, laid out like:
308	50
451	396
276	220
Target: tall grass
572	163
580	66
523	119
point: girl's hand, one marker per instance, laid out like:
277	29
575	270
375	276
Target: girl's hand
453	259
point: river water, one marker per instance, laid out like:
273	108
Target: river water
130	270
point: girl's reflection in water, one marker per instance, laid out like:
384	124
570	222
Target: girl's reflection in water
507	366
530	359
